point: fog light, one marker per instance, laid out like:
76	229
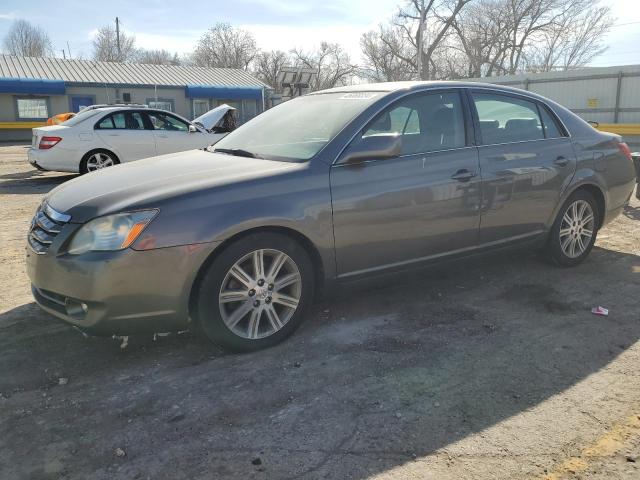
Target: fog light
75	308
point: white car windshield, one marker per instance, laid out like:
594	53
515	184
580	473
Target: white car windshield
296	130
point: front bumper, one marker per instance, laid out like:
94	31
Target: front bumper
118	293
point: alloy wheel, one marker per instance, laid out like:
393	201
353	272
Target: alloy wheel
98	161
576	228
260	293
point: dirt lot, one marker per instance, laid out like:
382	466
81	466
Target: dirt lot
489	369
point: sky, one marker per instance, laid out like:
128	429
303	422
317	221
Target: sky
276	24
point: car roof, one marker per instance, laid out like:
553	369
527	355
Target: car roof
416	85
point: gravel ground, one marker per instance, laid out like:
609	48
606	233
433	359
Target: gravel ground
492	368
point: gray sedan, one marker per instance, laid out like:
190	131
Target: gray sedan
334	186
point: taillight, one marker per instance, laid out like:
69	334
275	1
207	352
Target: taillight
626	151
48	142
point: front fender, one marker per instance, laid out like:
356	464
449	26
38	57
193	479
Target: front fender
298	200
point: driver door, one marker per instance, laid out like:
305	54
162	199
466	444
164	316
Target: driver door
172	134
422	204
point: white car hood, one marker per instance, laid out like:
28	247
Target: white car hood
213	116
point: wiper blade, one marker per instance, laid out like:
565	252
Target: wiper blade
238	152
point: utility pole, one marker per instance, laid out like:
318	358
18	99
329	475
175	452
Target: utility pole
422	13
118	39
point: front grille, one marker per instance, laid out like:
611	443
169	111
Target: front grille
46	224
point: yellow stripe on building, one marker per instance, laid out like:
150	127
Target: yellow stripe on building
620	128
20	125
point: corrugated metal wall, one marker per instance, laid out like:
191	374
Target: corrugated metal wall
606	95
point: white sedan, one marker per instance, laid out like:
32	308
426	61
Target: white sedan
101	137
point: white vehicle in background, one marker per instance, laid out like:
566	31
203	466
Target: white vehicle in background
102	136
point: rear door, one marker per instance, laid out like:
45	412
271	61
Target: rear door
526	159
421	204
172	134
125	134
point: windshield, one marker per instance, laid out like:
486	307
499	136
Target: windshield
297	129
79	118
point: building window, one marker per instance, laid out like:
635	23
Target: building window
249	109
161	104
200	107
32	108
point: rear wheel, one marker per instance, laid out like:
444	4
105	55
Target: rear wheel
574	230
255	293
97	160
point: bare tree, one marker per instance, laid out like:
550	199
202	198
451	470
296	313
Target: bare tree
482	32
225	46
499	37
27	40
157	57
332	65
426	24
105	46
574	39
268	65
387	55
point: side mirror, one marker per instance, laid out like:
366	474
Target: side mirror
373	147
193	129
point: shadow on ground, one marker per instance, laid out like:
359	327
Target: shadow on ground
631	212
30	182
373	379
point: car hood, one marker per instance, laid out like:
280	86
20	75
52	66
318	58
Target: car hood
212	117
149	182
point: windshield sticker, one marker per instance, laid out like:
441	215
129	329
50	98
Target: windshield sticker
359	96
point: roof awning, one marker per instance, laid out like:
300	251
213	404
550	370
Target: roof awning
223	92
32	86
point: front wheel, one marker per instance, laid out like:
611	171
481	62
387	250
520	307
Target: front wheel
255	293
574	230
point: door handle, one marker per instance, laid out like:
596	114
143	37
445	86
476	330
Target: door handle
463	175
163	136
561	161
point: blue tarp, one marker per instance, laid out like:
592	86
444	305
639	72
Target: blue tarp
223	93
32	86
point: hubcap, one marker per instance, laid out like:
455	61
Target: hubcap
99	160
576	228
260	294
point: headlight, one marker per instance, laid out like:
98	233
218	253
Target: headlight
113	232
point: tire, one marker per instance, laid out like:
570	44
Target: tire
223	295
107	158
565	233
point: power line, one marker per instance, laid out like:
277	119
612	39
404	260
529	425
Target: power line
624	24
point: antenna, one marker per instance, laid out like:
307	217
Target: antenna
69	49
64	56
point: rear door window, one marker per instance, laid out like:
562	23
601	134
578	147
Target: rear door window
122	121
549	124
505	119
